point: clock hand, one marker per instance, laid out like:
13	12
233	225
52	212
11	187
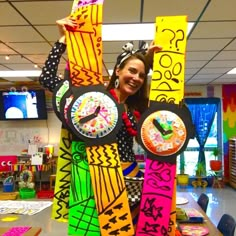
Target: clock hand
87	118
159	127
97	110
90	117
168	132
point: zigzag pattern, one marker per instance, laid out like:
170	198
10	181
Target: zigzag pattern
107	177
85	77
109	189
85	58
62	185
102	156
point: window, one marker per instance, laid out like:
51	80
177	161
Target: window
192	154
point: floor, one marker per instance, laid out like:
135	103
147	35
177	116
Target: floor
221	201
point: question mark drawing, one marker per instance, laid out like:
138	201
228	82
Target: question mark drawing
179	39
172	36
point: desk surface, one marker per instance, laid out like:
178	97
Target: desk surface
34	231
213	231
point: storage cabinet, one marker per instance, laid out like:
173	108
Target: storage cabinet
232	162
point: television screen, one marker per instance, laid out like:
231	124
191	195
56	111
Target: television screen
22	105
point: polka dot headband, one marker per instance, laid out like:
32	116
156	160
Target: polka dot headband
128	50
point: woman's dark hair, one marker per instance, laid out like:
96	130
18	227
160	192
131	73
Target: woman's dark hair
139	100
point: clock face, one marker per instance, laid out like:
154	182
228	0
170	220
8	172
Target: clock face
163	133
94	114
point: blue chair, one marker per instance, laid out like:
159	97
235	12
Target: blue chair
203	201
227	225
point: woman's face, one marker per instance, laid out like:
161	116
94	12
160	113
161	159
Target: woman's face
131	77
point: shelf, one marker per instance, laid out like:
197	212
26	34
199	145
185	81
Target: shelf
232	162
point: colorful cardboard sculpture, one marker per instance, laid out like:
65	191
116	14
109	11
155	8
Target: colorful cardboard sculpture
60	206
88	148
164	129
100	180
94	117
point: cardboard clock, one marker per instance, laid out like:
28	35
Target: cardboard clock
164	129
60	209
62	183
94	117
70	201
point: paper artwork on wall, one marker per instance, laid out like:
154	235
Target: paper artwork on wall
37	158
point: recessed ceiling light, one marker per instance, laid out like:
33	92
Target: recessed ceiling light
112	32
143	31
20	73
232	72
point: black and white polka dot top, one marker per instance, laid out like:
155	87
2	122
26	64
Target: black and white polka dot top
125	141
50	80
48	77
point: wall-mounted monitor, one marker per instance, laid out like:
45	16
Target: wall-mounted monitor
23	105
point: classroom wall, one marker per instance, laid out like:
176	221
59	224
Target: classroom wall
14	135
203	91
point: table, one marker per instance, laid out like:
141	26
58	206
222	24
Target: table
213	231
34	231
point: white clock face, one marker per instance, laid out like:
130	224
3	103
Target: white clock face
94	114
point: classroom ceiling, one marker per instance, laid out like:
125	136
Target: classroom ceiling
28	31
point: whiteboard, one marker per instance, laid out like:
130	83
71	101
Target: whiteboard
15	135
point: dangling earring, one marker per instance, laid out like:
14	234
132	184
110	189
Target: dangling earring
117	83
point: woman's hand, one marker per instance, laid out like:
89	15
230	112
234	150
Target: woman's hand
153	47
150	52
62	23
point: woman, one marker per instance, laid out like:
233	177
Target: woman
128	85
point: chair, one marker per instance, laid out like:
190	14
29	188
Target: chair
203	201
52	180
227	225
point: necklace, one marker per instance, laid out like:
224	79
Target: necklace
125	118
